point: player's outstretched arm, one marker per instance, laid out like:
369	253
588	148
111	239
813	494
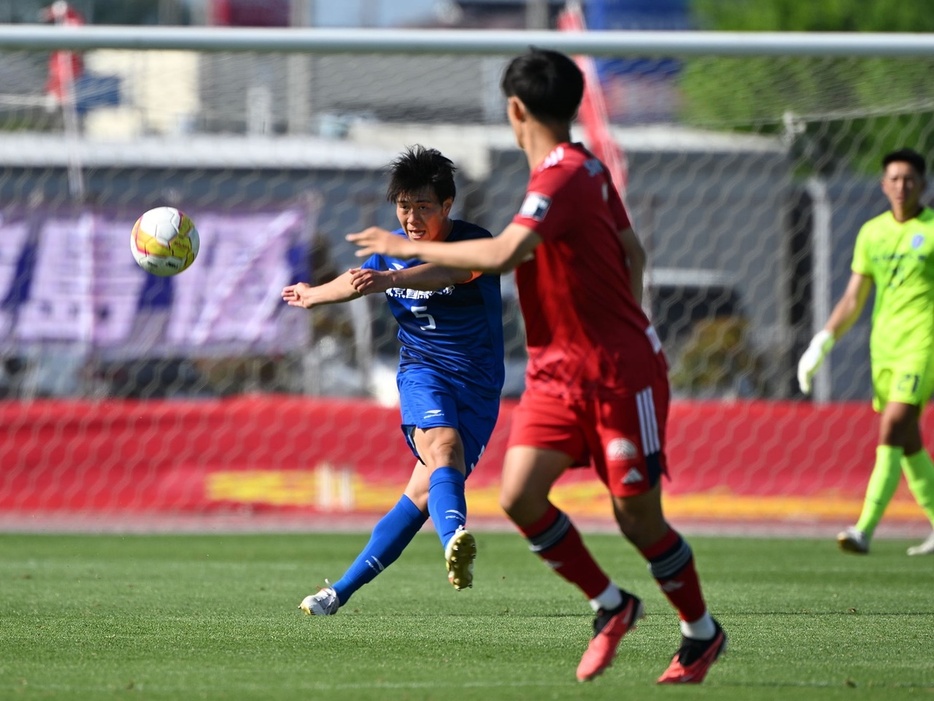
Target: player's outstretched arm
497	255
844	315
301	294
420	277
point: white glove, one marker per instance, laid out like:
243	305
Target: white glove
813	357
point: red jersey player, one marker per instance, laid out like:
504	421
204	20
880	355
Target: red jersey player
596	385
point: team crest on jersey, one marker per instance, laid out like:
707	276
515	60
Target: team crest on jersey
917	240
593	166
535	206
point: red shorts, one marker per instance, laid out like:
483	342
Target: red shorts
622	438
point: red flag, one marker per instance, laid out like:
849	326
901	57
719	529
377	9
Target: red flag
64	66
593	114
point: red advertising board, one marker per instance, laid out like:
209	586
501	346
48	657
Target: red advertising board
737	461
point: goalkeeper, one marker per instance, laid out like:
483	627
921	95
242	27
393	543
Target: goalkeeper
894	252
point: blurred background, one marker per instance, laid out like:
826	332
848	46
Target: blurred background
747	177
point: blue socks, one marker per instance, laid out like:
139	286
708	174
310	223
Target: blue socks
390	536
447	506
447	503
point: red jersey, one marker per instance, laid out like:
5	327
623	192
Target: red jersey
587	336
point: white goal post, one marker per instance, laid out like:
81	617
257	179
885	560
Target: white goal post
452	41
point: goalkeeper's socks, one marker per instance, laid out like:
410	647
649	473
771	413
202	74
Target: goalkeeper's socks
882	485
919	471
447	503
390	536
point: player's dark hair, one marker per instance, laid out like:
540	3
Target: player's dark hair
549	84
417	168
906	155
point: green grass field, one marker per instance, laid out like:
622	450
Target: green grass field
215	617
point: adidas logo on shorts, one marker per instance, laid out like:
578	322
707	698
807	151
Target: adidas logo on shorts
632	476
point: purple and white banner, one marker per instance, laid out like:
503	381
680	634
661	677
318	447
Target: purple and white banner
70	279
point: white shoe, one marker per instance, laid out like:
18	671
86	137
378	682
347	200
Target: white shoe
324	603
853	541
925	548
459	555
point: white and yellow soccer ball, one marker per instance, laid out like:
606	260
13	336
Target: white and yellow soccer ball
164	241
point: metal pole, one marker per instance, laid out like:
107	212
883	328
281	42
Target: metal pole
299	70
70	119
463	41
536	14
822	292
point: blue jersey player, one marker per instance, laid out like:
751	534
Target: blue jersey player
450	372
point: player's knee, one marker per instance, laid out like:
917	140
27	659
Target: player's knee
640	518
510	498
522	506
899	429
443	448
446	457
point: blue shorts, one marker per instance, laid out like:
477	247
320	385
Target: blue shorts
428	399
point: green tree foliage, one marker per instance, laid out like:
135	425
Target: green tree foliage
823	16
846	110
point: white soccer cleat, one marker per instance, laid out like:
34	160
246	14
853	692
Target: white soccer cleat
925	548
324	603
853	541
459	555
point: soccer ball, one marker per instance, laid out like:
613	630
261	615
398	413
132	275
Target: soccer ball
164	241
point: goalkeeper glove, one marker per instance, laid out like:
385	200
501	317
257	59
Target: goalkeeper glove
813	357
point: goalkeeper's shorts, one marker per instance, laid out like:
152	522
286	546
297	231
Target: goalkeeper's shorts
908	380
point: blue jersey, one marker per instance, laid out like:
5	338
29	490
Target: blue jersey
457	330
